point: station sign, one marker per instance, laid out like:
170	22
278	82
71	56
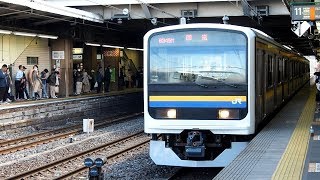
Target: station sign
77	50
57	54
305	12
77	56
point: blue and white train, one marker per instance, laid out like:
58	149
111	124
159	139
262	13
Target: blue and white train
209	87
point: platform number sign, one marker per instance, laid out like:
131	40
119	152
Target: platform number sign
298	11
308	12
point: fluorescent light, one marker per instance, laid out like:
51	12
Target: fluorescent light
28	34
5	32
47	36
287	47
24	34
135	49
120	47
61	9
92	44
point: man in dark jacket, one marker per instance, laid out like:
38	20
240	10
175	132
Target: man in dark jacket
52	81
3	82
107	78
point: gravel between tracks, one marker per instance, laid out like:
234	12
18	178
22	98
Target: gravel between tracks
135	165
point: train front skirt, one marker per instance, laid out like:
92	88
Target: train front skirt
165	156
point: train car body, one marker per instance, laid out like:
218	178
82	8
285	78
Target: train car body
208	88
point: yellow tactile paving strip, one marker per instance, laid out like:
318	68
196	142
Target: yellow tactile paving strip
292	161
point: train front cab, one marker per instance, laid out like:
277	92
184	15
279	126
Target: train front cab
160	150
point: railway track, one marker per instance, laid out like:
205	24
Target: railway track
14	145
70	166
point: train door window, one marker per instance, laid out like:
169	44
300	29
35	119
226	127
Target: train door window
280	70
295	69
269	71
285	69
290	69
259	70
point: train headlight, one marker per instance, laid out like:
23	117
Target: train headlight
172	113
224	114
228	114
166	113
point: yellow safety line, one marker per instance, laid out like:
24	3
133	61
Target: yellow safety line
292	161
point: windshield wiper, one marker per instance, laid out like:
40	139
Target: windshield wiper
221	81
201	85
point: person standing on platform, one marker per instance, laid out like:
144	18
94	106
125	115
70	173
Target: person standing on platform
52	83
3	82
121	79
79	78
317	81
107	78
36	83
17	83
139	77
93	80
24	84
44	76
99	79
86	81
8	88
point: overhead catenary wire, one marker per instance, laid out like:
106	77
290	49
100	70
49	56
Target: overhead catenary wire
249	6
158	9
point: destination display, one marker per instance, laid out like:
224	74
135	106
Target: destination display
198	38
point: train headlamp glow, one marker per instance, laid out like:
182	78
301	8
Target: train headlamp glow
171	113
228	113
224	114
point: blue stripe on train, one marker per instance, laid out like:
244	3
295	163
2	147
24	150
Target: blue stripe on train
196	104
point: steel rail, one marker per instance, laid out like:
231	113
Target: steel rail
115	155
54	137
55	163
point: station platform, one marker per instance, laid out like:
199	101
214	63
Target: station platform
47	112
285	149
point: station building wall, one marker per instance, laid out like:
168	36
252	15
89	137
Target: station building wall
15	50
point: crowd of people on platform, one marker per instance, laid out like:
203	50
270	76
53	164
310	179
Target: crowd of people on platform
98	81
27	86
36	85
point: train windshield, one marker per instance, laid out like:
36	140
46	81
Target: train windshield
198	57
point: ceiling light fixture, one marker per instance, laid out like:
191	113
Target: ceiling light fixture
110	46
24	34
47	36
92	44
5	32
135	49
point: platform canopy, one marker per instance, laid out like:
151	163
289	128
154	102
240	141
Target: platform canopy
51	8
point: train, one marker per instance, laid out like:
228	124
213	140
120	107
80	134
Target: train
208	88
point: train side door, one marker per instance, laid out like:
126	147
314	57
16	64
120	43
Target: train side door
279	89
260	85
275	81
269	83
285	78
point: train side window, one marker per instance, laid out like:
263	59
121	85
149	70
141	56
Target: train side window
269	71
